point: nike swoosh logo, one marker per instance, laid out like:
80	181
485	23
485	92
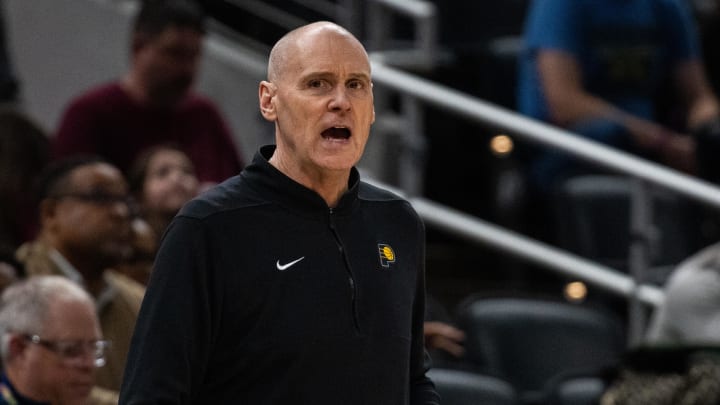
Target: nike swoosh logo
286	266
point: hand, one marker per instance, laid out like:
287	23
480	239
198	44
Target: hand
679	153
440	335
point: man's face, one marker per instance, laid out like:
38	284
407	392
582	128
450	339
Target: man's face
167	63
53	377
90	219
322	102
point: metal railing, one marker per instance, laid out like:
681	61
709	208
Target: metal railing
417	89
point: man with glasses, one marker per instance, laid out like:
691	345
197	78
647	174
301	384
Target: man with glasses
85	216
51	344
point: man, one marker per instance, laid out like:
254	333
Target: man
603	68
51	344
85	231
293	282
153	104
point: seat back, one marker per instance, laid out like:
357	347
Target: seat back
593	220
529	342
457	387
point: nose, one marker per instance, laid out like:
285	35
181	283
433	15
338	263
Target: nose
85	362
340	101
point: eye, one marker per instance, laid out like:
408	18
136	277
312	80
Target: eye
71	349
316	83
356	84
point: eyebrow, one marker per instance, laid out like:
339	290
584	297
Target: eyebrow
324	74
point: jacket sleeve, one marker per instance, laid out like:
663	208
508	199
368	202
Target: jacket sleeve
422	389
172	337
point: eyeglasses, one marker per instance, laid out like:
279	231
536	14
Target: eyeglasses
99	198
72	351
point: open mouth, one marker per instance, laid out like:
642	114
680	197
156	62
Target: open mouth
336	133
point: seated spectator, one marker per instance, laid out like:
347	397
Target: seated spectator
51	344
153	103
690	313
162	180
24	152
84	232
601	70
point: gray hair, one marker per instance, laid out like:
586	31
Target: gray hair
25	304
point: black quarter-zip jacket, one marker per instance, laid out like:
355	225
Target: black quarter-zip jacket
261	294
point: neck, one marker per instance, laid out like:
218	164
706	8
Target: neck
330	185
89	268
22	384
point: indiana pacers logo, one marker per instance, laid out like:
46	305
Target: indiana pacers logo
387	254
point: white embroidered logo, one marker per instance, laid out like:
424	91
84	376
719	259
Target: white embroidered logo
286	266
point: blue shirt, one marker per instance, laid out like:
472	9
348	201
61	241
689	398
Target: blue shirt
626	49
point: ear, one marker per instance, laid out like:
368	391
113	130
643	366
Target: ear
266	95
16	346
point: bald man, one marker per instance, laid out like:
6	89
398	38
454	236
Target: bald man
294	282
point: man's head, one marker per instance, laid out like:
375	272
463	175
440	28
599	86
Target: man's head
319	94
167	40
51	339
85	213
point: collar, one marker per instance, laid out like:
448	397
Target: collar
265	177
10	396
68	270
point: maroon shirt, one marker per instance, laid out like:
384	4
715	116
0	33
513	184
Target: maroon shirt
107	122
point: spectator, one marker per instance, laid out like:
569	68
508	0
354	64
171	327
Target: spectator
297	282
153	103
24	152
599	68
51	344
84	232
162	179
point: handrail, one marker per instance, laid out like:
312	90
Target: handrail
424	15
536	131
478	230
518	125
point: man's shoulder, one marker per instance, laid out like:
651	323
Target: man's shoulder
230	196
101	93
36	257
129	290
372	192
